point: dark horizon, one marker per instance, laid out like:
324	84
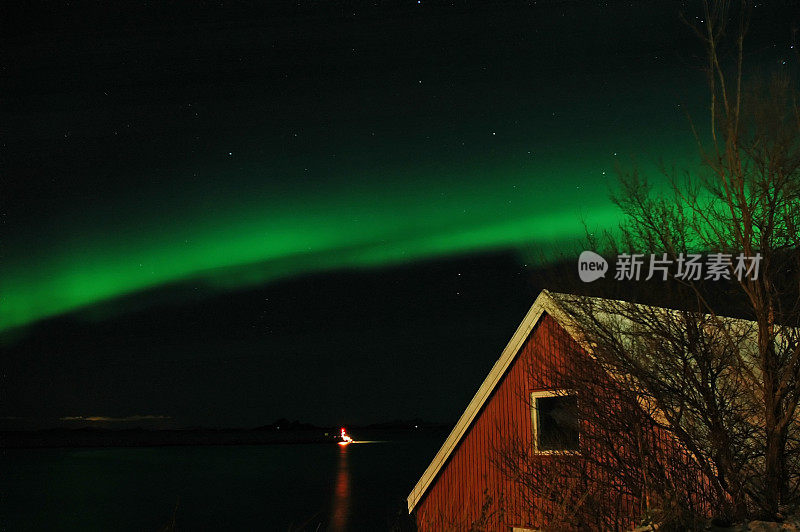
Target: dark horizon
211	324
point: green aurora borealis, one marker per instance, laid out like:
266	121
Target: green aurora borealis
247	241
222	185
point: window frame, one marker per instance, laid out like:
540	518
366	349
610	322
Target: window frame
535	420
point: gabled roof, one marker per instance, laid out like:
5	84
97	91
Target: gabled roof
544	304
547	303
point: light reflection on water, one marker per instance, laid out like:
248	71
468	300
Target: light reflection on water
340	512
249	487
342	500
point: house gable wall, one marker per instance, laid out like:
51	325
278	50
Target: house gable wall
469	488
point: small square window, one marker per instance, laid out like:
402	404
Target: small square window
555	421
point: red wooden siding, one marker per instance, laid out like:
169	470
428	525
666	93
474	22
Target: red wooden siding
457	496
470	486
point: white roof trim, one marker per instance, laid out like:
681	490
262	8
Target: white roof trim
544	304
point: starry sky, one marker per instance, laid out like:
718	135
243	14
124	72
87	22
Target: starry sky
224	213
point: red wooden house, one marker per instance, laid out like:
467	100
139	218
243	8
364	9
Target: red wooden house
523	417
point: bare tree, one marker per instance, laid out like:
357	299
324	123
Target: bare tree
728	391
724	390
629	468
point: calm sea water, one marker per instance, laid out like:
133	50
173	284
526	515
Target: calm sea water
265	487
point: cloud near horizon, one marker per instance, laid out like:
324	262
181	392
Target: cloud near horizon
148	417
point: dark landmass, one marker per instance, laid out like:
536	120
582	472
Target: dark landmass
280	432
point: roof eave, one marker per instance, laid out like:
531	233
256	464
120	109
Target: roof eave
544	304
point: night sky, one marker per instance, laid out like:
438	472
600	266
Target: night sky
220	214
